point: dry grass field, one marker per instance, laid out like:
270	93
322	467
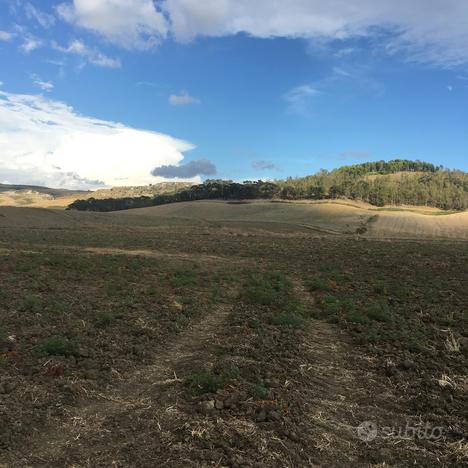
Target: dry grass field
28	198
331	217
220	334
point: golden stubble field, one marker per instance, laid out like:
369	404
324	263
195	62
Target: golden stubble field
328	217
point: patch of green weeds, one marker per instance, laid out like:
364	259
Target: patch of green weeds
59	346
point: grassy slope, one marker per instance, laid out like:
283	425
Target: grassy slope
339	217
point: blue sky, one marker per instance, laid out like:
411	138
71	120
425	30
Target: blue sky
121	92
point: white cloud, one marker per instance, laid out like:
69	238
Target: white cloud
341	72
182	99
92	55
44	85
432	31
131	24
450	88
44	19
298	98
5	36
46	142
30	44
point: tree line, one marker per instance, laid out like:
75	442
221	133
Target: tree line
397	182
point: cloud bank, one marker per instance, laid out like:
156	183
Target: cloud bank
186	171
45	142
432	31
424	30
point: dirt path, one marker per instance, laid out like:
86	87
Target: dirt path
147	253
85	428
144	419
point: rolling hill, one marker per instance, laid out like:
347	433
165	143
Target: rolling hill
336	218
398	182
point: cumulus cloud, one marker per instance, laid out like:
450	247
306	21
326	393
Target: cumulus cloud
182	99
298	98
90	54
45	142
39	83
264	166
136	24
425	30
5	36
186	171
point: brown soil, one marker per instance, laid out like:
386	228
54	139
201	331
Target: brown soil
290	394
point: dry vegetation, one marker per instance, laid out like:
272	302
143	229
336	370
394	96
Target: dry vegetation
222	334
36	197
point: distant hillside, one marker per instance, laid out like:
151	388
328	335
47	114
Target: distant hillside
397	182
45	190
140	191
44	197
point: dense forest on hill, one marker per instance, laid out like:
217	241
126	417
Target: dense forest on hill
397	182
